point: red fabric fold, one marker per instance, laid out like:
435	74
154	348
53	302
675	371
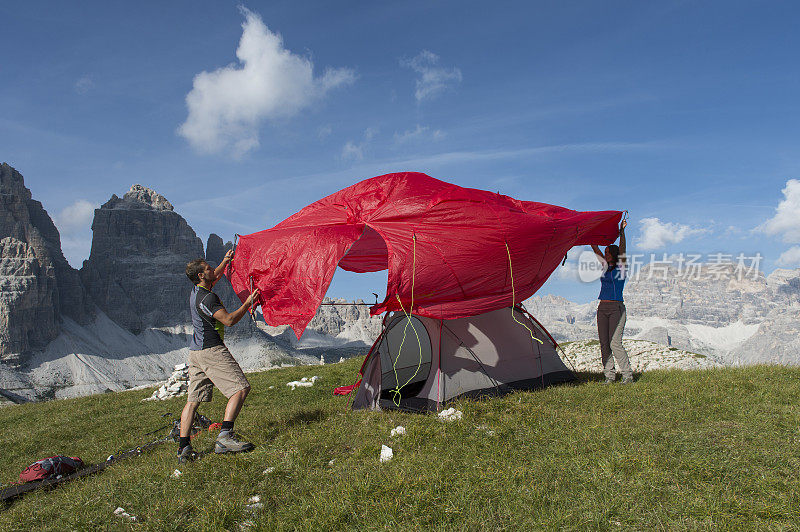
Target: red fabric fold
450	240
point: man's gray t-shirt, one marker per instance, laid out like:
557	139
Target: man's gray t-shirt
208	332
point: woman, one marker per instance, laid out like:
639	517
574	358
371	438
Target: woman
611	310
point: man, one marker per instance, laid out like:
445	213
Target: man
210	362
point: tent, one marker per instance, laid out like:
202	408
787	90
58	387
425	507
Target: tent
451	252
420	363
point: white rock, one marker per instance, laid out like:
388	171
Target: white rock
304	382
386	453
397	431
269	470
181	367
450	414
176	473
254	503
125	515
321	360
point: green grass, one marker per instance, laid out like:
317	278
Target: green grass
709	450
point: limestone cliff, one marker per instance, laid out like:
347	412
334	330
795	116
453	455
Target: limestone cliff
135	272
37	285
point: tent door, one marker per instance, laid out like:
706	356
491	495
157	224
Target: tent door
405	357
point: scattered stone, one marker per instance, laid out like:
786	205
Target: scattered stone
451	414
643	355
386	453
321	360
398	431
254	503
304	382
176	473
269	470
125	515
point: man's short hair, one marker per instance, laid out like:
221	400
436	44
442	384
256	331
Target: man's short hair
193	270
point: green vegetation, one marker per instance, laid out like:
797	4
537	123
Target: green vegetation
708	450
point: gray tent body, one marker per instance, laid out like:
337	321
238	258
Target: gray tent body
435	361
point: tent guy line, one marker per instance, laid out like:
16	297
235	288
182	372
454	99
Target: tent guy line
513	295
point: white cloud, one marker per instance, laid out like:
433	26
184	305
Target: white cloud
76	217
418	133
227	106
656	234
83	85
74	224
790	258
433	79
568	272
354	151
324	132
786	221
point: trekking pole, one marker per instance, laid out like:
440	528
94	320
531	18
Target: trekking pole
230	264
253	306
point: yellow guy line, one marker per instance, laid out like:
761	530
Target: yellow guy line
514	297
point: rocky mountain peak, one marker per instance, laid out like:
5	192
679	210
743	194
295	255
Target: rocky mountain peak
37	285
11	183
140	247
139	197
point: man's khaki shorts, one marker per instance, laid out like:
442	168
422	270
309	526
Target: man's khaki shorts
211	367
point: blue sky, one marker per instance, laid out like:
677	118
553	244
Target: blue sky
683	113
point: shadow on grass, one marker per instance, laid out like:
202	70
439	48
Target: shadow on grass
305	417
590	376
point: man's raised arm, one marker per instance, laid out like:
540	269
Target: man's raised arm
219	270
229	319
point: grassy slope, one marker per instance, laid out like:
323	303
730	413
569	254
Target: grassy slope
675	450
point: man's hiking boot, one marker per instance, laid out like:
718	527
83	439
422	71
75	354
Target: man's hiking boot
187	454
609	380
227	442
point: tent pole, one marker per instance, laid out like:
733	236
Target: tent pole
538	349
439	365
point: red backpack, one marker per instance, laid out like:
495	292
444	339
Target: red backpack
51	467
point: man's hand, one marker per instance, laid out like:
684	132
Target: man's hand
231	319
219	270
252	297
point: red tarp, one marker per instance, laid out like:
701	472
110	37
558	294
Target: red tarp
451	240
